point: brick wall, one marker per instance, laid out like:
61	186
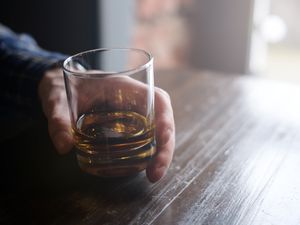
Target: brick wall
162	30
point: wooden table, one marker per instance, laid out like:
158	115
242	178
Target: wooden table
237	161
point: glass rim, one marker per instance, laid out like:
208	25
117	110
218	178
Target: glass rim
97	74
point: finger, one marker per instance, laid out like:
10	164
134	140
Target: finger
165	136
59	126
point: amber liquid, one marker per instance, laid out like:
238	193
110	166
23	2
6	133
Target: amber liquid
117	143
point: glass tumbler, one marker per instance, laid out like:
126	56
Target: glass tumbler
111	102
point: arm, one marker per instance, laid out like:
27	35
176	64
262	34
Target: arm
22	66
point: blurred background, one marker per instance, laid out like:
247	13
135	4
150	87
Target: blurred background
259	37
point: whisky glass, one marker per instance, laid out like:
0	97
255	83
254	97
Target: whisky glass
111	102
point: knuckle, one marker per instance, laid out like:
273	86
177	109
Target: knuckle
166	132
163	101
161	92
55	123
56	120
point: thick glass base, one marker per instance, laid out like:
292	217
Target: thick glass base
116	166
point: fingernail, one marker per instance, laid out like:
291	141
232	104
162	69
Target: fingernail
159	173
62	142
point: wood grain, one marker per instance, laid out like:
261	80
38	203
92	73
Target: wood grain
236	162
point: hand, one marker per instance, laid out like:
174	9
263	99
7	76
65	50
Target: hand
54	102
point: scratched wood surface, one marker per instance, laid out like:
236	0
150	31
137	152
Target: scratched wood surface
237	161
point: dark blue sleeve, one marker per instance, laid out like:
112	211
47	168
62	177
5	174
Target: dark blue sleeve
22	65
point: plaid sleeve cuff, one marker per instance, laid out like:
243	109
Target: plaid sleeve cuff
22	66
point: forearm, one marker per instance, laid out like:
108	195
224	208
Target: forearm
22	66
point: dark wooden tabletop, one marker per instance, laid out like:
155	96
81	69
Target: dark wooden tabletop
237	161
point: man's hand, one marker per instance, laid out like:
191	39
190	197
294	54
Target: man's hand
54	102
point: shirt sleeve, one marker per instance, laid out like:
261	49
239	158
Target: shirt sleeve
22	65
